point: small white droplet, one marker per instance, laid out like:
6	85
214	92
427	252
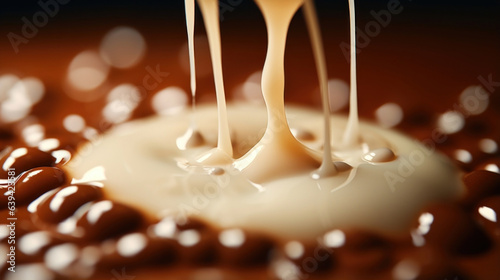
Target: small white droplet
60	197
334	238
128	94
232	238
31	272
474	100
4	231
14	110
62	156
492	168
91	134
31	243
380	155
294	250
450	122
488	146
286	270
338	91
217	171
406	270
207	274
169	101
6	83
33	134
488	213
87	71
463	156
48	144
32	88
166	228
189	238
131	244
117	112
68	226
61	256
389	115
123	47
19	152
98	209
90	255
417	239
425	221
74	123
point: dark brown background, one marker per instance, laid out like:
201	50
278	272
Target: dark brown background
430	50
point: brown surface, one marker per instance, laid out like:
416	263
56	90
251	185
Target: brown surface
421	61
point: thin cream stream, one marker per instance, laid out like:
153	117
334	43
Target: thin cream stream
327	167
190	17
352	135
192	137
224	151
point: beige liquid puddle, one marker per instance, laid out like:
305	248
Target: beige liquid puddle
153	174
389	173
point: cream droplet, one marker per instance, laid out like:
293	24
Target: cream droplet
217	171
380	155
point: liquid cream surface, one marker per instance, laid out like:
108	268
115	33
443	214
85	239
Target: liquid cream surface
381	185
